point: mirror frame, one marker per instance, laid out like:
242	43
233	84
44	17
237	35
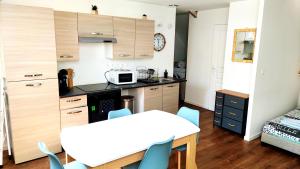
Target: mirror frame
236	31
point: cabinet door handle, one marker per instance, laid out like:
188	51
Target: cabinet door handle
232	113
34	84
234	102
145	55
97	33
219	97
74	100
219	105
218	113
38	75
154	88
66	56
29	75
124	55
171	86
231	125
75	112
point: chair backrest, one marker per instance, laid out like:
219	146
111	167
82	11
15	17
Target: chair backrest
190	115
157	156
119	113
54	161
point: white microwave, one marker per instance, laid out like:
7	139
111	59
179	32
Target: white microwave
121	77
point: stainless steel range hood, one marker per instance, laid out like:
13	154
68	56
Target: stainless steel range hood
96	38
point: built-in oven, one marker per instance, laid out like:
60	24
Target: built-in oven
101	103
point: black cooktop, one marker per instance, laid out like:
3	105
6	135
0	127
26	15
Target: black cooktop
97	87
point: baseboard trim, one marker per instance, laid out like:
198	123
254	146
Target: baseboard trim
253	137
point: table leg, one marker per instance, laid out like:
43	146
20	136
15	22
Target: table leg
66	157
191	153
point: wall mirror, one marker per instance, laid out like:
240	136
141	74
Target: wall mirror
243	45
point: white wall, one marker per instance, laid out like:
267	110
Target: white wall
276	83
93	62
199	58
242	14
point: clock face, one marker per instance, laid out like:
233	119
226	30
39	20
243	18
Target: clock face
159	42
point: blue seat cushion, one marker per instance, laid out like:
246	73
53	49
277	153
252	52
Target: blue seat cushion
74	165
132	166
181	148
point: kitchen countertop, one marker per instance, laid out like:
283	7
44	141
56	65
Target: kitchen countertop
102	87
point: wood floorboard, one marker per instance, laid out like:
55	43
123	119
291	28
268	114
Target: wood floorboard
217	149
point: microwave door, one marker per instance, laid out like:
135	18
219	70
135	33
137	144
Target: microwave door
125	78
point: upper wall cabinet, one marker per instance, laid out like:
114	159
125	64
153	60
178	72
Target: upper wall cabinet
144	38
124	31
95	25
28	42
66	36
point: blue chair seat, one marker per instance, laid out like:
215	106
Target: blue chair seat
132	166
74	165
119	113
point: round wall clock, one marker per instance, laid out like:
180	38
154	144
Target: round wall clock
159	42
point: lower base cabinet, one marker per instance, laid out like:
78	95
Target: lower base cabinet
74	111
163	97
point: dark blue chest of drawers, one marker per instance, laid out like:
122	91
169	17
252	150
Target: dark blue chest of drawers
231	111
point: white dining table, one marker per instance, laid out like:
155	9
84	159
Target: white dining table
118	142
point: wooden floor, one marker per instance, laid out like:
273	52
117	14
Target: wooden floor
217	149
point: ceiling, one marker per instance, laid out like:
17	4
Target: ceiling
186	5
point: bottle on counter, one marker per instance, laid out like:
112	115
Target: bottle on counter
166	74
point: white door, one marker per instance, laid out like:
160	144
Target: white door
217	62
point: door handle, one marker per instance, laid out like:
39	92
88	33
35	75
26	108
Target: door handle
232	113
234	102
34	84
75	112
66	56
231	125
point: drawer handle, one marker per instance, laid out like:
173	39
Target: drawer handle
124	55
66	56
34	84
232	113
154	88
217	121
231	125
219	97
75	112
233	102
218	113
74	100
219	105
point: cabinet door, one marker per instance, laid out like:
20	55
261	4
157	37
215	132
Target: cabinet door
74	117
144	39
66	36
153	98
28	42
171	98
34	116
89	25
124	31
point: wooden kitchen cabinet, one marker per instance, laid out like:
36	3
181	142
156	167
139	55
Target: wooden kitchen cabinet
171	97
34	116
153	98
92	25
74	111
28	42
124	31
66	36
144	38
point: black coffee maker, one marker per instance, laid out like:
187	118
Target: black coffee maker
63	81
